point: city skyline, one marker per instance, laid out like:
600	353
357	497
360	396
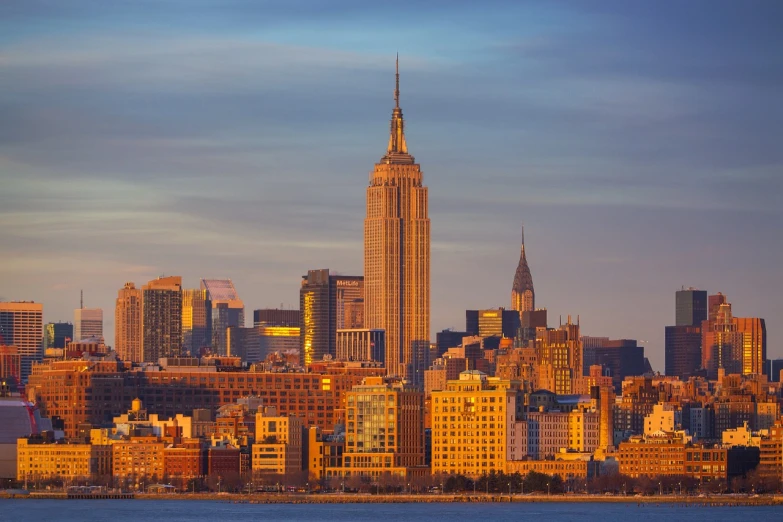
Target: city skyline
620	175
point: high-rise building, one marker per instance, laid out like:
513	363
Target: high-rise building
87	322
275	317
10	367
57	335
360	345
196	321
683	350
559	357
523	297
690	307
397	251
227	310
277	339
244	343
128	323
734	344
493	322
322	301
162	318
461	411
620	358
384	429
683	341
21	325
447	339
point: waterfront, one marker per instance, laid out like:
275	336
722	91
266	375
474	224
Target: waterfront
206	510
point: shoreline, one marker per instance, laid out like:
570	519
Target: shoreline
366	498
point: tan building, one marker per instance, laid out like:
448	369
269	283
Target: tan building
544	434
671	455
162	318
324	454
278	447
139	458
559	358
473	425
36	458
565	468
384	429
127	323
397	254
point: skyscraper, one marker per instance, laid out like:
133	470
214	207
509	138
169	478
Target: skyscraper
227	310
397	251
56	335
736	344
162	318
523	297
196	321
128	323
87	322
322	301
21	325
683	340
690	307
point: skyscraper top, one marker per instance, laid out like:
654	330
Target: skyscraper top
397	151
222	291
522	293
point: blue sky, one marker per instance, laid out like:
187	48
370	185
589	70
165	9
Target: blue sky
639	143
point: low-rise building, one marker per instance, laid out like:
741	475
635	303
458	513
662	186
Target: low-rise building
278	446
38	458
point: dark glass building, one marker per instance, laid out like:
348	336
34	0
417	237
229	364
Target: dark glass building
690	307
683	350
275	317
497	321
622	358
322	302
55	334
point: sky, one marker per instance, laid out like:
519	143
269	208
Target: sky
638	142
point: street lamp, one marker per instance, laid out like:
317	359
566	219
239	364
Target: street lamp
509	490
548	491
660	489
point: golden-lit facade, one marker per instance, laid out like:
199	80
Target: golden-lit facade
21	325
139	457
397	253
127	323
196	321
559	358
473	423
523	296
384	429
36	459
278	446
736	344
567	469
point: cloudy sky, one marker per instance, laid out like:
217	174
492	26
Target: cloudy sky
639	143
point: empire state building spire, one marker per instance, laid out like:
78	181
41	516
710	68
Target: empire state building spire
523	297
397	151
397	256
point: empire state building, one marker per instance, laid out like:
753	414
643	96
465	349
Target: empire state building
397	255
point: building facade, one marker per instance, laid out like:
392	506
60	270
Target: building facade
128	329
39	459
21	325
397	252
227	310
87	322
361	345
162	318
57	335
690	307
196	322
683	351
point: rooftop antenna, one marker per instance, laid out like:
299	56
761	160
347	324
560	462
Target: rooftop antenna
81	298
397	85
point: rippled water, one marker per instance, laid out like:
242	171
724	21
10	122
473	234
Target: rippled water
197	510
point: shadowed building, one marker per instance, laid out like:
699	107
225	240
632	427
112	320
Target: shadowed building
683	340
397	252
496	322
275	317
162	318
57	335
690	307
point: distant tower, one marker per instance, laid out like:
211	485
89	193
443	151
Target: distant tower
523	297
127	323
162	318
397	254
